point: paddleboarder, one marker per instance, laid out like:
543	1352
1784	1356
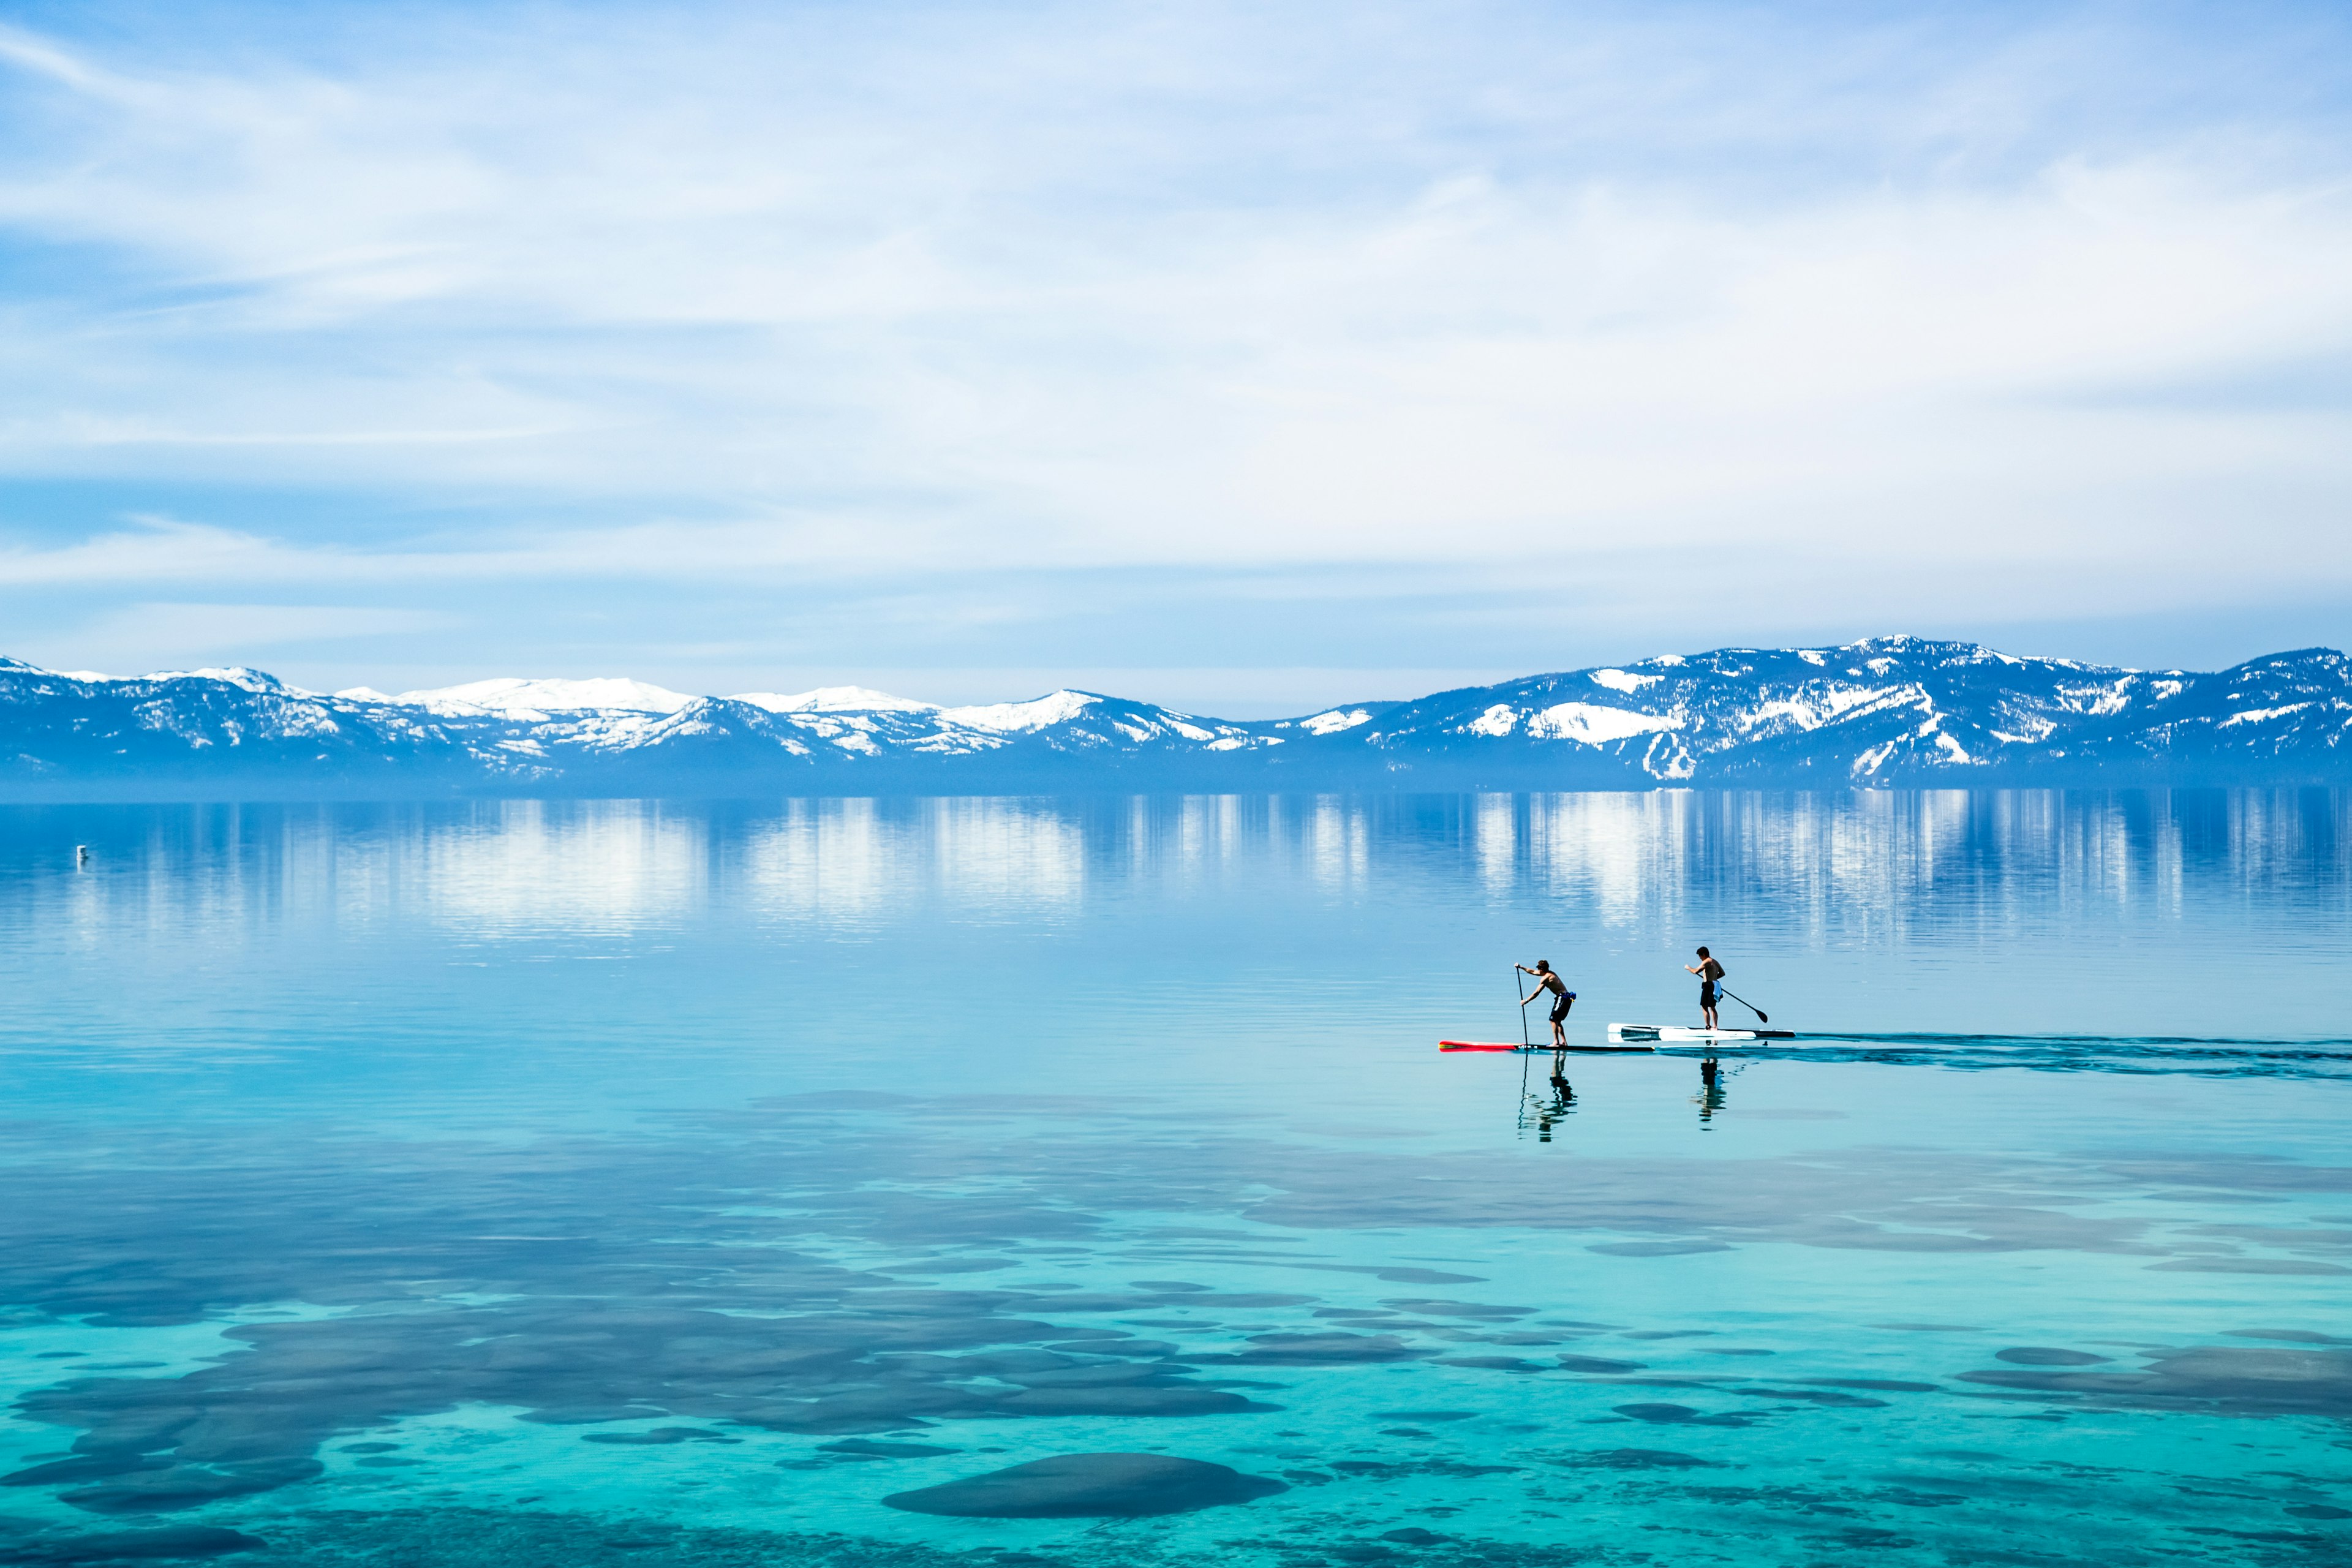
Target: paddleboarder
1708	972
1562	997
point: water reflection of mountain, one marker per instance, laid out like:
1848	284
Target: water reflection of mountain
1899	918
1875	862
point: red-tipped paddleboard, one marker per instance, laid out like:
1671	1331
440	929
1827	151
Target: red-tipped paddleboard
1543	1051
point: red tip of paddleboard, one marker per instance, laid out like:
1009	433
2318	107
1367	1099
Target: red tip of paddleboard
1474	1046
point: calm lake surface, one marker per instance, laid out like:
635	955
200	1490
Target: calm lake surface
673	1183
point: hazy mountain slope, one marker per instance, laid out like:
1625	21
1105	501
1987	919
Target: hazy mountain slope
229	733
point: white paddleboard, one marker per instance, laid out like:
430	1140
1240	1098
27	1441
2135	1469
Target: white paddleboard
1668	1035
1535	1050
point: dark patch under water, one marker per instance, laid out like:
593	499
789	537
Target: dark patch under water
1090	1486
1667	1415
868	1448
1638	1459
171	1542
658	1437
2226	1380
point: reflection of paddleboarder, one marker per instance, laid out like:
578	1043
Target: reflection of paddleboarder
1562	997
1550	1113
1708	972
1710	1088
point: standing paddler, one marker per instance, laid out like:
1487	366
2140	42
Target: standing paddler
1708	972
1560	997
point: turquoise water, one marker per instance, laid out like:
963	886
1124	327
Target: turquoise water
675	1182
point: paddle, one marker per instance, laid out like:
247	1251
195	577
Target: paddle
1761	1016
1525	1043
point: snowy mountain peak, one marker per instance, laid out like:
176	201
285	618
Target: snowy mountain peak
1023	718
235	675
517	697
834	699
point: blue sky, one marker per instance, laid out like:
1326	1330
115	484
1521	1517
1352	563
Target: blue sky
1242	357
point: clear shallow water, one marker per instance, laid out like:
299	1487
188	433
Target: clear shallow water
650	1183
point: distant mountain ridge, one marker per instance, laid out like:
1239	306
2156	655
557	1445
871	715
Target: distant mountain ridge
1894	711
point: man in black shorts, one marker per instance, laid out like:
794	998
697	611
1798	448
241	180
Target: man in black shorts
1562	997
1708	972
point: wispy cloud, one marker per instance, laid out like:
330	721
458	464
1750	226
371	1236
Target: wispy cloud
153	635
1878	309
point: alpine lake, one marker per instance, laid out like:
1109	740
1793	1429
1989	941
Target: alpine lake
1063	1183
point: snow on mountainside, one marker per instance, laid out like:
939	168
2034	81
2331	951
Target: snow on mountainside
1338	718
1893	710
1886	712
1023	718
525	699
834	699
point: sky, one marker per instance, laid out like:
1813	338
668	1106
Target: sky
1244	357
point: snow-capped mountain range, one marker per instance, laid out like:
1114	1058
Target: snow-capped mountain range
1886	712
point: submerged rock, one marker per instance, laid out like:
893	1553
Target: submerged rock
1640	1459
81	1468
2229	1380
1174	1399
175	1543
2044	1355
1679	1415
1320	1350
1490	1363
866	1448
188	1486
1089	1486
